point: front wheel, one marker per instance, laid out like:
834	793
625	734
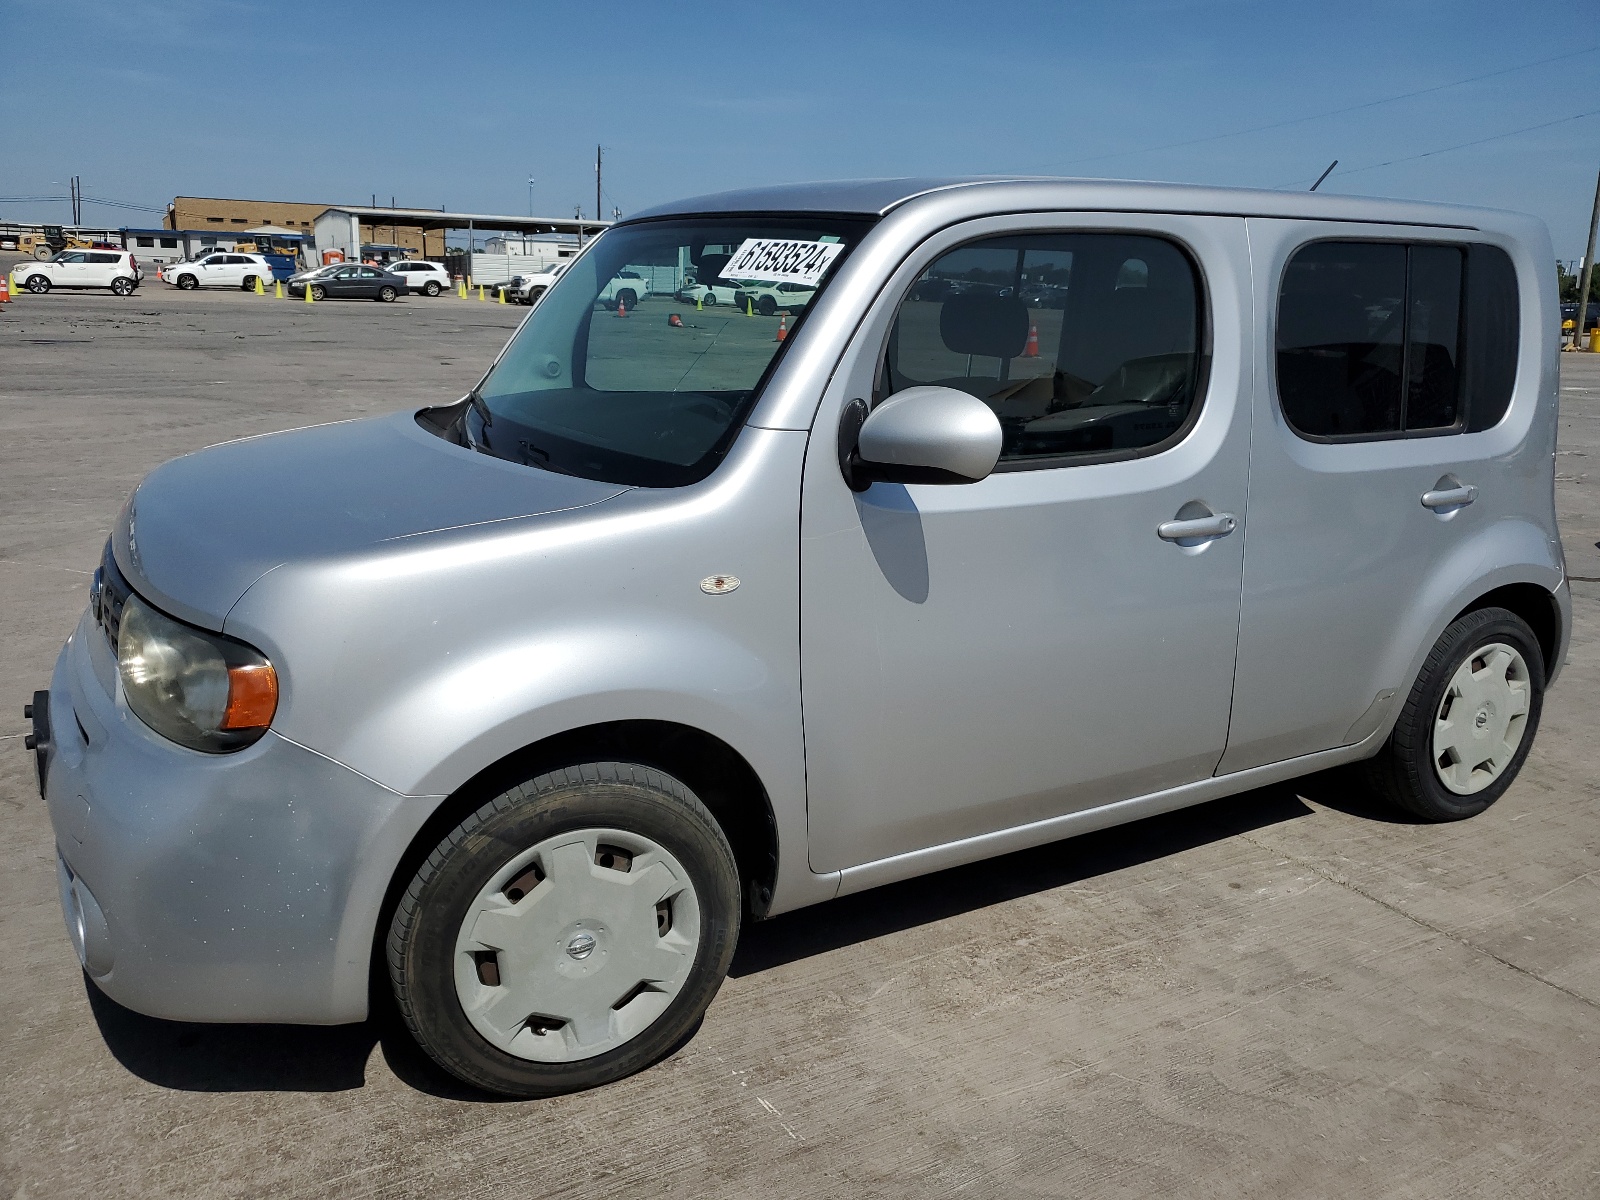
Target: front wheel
767	306
187	283
432	288
318	293
570	932
38	284
122	286
386	294
42	253
1468	725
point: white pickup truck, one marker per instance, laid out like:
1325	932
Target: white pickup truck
531	287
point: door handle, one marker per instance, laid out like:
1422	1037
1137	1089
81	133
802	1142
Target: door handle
1214	526
1456	497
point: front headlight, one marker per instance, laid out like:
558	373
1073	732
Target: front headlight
202	690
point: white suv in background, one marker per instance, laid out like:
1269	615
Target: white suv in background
534	286
114	269
223	269
421	275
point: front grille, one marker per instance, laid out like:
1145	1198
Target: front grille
108	594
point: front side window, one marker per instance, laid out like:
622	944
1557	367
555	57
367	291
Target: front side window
620	393
1086	345
1383	339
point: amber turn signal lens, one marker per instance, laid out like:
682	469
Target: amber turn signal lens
252	696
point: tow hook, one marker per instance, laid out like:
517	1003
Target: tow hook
39	740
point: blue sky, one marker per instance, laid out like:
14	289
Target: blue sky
457	104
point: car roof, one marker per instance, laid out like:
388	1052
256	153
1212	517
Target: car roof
878	197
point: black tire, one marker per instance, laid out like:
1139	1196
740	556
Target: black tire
43	253
432	288
187	283
248	284
318	292
122	286
629	298
422	935
1404	771
709	300
38	284
767	306
387	294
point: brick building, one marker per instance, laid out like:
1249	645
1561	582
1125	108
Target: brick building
235	216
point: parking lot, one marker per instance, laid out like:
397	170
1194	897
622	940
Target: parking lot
1293	992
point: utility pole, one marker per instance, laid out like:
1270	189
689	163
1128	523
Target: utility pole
1588	267
597	208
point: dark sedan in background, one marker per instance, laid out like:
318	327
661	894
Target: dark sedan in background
350	281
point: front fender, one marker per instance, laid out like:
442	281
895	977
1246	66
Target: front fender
436	736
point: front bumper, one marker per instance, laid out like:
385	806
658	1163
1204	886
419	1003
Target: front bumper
199	887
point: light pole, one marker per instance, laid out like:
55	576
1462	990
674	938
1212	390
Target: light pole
530	195
1588	268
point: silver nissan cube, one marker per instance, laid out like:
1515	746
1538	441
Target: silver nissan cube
1041	506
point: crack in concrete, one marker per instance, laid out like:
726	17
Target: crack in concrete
1339	881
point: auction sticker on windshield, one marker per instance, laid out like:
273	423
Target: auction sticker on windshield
777	260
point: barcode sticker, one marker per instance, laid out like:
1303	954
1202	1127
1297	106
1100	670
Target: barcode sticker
775	260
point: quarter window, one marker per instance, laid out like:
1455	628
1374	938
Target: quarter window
1383	339
1086	345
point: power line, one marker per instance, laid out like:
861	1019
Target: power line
1333	112
1459	146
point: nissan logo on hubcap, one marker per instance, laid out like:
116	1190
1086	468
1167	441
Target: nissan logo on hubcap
581	945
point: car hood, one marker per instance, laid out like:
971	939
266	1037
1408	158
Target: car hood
199	530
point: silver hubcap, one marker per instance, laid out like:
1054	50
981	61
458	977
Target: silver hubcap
577	945
1482	719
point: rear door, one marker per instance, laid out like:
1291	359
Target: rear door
978	657
1392	352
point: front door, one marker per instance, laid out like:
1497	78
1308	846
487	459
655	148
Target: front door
1376	463
980	656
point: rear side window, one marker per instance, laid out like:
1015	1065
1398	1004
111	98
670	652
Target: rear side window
1385	339
1086	345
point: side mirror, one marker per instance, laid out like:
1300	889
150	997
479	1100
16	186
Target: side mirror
920	435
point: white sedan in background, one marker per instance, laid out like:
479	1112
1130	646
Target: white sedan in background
218	270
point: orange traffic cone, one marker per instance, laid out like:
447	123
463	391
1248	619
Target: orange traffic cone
5	287
675	321
622	309
1031	350
783	327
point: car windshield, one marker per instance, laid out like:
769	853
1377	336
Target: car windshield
612	377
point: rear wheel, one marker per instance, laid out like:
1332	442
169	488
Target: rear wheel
386	293
628	298
1468	725
122	286
570	932
42	253
432	288
709	300
248	284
